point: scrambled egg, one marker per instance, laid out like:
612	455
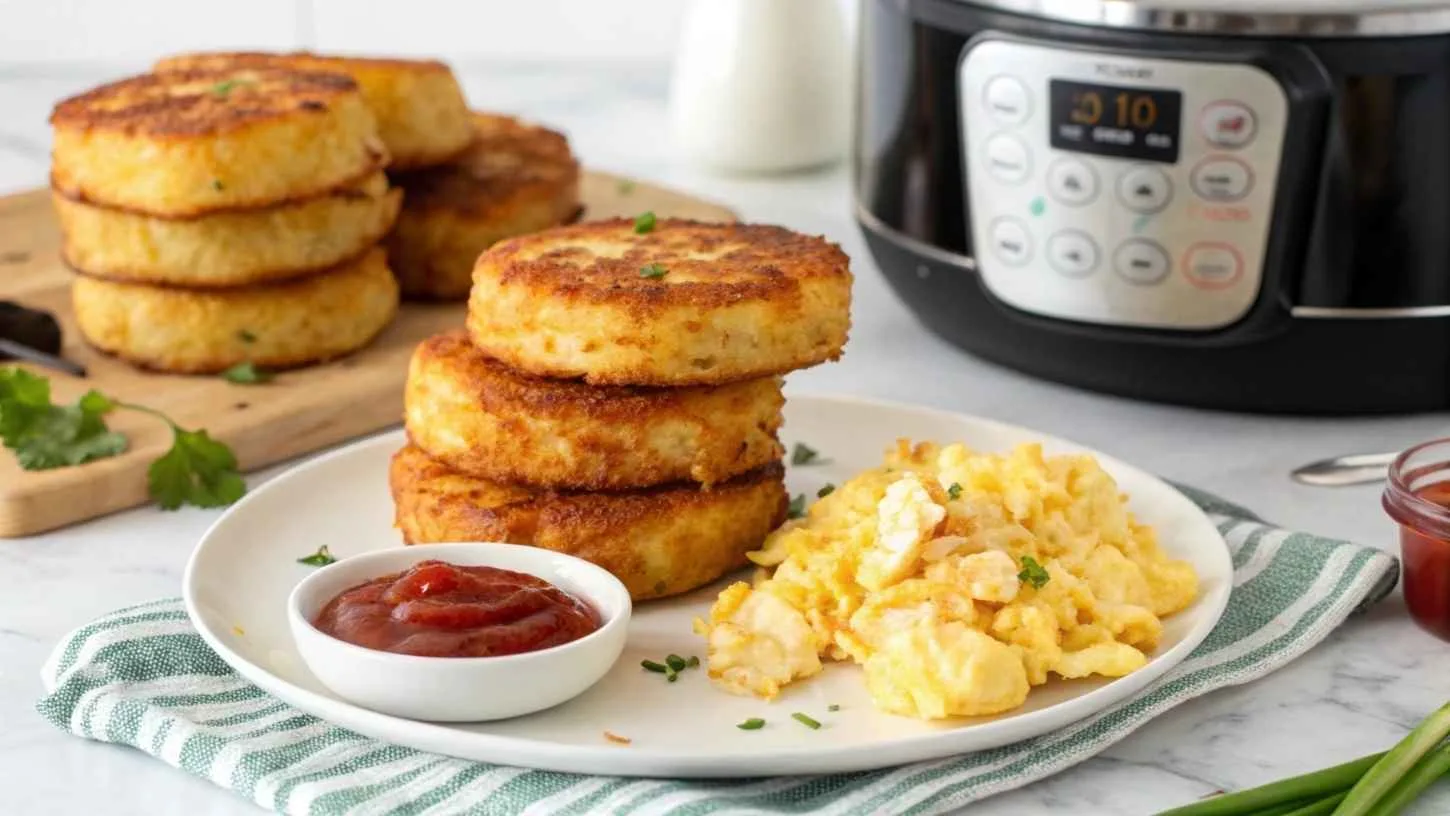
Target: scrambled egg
956	580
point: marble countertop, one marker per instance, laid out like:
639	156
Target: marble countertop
1356	693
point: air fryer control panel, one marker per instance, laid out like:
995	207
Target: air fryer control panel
1117	189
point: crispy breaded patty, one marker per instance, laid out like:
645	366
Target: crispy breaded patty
228	248
476	415
515	179
684	303
421	112
659	541
192	142
276	325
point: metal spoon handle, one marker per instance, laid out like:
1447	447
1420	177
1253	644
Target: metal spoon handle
1360	468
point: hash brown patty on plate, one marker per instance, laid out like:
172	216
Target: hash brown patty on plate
659	541
680	303
478	416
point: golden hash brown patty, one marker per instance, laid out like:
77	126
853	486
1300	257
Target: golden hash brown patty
659	541
421	113
228	248
686	303
192	142
278	325
476	415
517	178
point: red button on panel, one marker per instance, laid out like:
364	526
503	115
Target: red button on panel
1228	123
1213	265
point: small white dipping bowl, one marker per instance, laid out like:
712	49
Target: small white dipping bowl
461	689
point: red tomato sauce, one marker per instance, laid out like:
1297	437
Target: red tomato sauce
1426	559
438	609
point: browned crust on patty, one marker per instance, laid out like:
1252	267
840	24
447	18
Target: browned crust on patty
478	416
199	102
659	541
509	159
707	264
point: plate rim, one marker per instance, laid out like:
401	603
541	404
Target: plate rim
642	762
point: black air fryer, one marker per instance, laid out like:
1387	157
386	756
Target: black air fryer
1207	207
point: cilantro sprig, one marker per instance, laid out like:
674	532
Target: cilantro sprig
44	435
1033	573
197	470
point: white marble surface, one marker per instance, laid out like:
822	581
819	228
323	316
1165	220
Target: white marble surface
1356	693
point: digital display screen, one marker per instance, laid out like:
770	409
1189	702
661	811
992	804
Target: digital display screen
1128	123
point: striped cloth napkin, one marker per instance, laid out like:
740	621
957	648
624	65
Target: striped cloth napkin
143	677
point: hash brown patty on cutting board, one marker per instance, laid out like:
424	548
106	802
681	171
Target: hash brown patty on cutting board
183	144
277	325
228	248
516	178
421	113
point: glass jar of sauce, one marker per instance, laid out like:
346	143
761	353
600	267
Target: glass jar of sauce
1417	496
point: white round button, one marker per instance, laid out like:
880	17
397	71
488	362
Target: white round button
1145	189
1011	241
1008	159
1213	265
1141	261
1222	179
1007	100
1228	124
1072	182
1072	253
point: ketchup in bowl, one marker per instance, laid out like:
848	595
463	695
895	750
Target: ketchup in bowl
1417	496
436	609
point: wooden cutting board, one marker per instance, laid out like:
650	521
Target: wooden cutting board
298	412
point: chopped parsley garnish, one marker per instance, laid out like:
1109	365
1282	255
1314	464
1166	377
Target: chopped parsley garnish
833	707
752	724
197	470
653	271
806	720
246	374
246	336
675	662
693	662
224	87
954	492
1033	573
826	491
797	507
644	222
657	668
671	675
625	187
321	558
802	454
216	184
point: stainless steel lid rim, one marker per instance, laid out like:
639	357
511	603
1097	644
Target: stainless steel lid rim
1324	18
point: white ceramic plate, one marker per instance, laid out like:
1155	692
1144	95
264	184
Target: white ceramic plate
237	583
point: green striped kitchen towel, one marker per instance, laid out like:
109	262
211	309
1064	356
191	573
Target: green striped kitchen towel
144	678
